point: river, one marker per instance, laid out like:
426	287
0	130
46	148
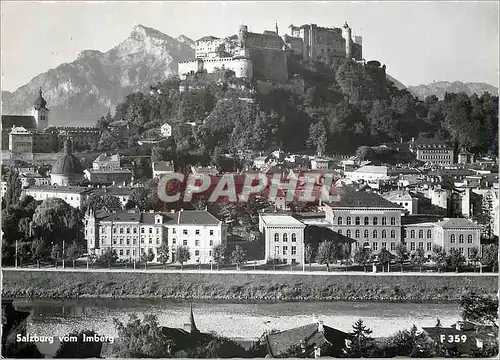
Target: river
233	320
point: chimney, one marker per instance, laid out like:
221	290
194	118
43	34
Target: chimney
179	217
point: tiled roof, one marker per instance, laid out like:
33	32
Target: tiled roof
196	217
163	166
349	197
420	219
281	342
278	220
372	169
457	223
109	171
398	195
27	122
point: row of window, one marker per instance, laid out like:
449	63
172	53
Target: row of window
453	239
436	157
285	237
196	243
420	234
366	233
284	250
129	253
134	230
366	221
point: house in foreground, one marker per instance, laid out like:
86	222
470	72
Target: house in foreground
312	340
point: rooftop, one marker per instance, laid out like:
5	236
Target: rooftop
457	223
279	220
9	121
59	189
351	198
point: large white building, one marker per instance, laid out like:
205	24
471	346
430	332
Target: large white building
403	198
284	238
73	195
132	234
368	173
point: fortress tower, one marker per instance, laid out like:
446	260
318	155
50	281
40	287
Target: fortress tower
347	35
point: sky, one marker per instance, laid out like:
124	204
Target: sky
419	42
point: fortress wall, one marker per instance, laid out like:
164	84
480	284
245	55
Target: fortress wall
269	65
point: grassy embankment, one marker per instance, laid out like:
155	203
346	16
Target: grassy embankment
224	286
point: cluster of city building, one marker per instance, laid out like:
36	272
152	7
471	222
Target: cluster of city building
379	206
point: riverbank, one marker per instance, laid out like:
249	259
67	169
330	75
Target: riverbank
242	286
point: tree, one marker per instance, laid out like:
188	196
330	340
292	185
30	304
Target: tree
73	252
490	256
363	256
80	349
56	253
317	137
479	308
408	343
182	254
345	254
401	254
485	216
141	338
239	256
418	258
474	256
361	340
439	256
147	257
455	259
13	193
102	201
220	254
326	253
309	254
139	197
385	257
216	157
163	254
38	250
217	347
157	154
109	257
56	220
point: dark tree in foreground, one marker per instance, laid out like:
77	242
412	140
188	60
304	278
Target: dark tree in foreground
384	257
309	254
220	254
455	259
479	308
363	256
141	339
361	340
239	256
163	254
439	257
401	254
490	256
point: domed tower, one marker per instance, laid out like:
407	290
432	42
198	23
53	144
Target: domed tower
40	112
67	171
347	35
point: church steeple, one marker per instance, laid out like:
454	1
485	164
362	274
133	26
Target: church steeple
191	326
40	102
276	26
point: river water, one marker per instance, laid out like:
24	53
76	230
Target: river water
233	320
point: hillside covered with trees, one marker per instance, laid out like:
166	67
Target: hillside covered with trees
330	108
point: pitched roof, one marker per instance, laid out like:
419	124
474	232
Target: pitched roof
278	220
59	189
457	223
26	121
372	169
308	335
349	197
196	217
163	166
398	195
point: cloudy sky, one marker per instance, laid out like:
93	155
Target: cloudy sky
419	42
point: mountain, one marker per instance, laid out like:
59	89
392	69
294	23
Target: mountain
439	88
79	92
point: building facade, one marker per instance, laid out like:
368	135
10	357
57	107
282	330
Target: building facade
73	195
133	234
403	198
106	162
458	233
20	140
432	151
284	238
320	43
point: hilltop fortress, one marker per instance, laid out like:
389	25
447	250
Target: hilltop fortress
264	56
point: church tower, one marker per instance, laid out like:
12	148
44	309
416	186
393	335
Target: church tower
347	35
190	327
40	112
